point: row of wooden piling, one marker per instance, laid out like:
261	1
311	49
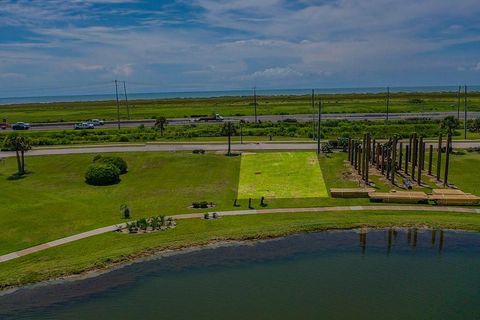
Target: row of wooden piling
391	158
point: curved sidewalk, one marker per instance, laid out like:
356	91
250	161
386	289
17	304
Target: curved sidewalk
91	233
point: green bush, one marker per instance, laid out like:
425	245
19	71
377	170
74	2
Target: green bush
102	174
114	161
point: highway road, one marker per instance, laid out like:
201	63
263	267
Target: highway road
172	147
263	118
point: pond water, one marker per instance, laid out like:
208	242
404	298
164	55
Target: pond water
387	274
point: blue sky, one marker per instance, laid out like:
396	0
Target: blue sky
66	47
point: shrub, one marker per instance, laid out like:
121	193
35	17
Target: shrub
198	151
114	161
102	174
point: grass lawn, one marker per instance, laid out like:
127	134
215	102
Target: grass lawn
54	201
111	248
281	175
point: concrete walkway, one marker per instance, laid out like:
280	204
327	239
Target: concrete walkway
172	147
91	233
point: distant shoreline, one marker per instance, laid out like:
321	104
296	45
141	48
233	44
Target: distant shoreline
225	93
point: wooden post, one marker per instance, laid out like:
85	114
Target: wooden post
374	145
423	154
410	147
394	161
420	160
367	158
414	154
389	161
439	156
364	154
447	159
407	155
383	160
359	160
377	156
400	156
430	159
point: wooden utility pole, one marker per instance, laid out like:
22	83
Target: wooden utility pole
313	114
126	99
255	102
465	99
447	159
388	101
458	101
118	104
319	145
439	156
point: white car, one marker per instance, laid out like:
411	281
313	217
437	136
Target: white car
96	122
83	125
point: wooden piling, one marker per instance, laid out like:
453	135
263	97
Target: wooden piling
407	155
447	160
420	161
439	156
430	159
400	156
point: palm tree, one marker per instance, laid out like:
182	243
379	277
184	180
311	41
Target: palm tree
21	145
229	129
160	124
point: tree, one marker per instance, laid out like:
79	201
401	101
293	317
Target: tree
475	126
20	145
229	129
160	123
449	124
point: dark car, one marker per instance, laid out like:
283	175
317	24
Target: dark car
21	126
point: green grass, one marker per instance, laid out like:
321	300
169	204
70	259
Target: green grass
53	201
111	248
229	106
281	175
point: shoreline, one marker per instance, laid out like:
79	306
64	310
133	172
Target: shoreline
155	253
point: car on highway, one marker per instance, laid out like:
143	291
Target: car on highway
83	125
21	126
96	122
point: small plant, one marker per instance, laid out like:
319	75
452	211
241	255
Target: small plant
250	203
142	224
215	215
206	216
198	151
262	202
125	210
200	205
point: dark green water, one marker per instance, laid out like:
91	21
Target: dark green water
329	275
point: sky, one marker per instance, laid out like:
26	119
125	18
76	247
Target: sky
53	47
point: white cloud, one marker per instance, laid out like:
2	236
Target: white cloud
125	70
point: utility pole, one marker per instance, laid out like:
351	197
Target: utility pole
465	110
126	99
255	102
388	101
118	105
458	101
319	146
313	114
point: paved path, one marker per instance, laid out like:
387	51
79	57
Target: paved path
192	146
91	233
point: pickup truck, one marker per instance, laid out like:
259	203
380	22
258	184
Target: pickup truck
21	126
215	117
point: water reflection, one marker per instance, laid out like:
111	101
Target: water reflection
412	237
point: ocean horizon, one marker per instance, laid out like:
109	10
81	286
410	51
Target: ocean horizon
223	93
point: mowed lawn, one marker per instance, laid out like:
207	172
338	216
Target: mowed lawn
281	175
54	201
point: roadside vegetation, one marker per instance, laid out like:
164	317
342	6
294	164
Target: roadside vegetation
284	130
234	106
